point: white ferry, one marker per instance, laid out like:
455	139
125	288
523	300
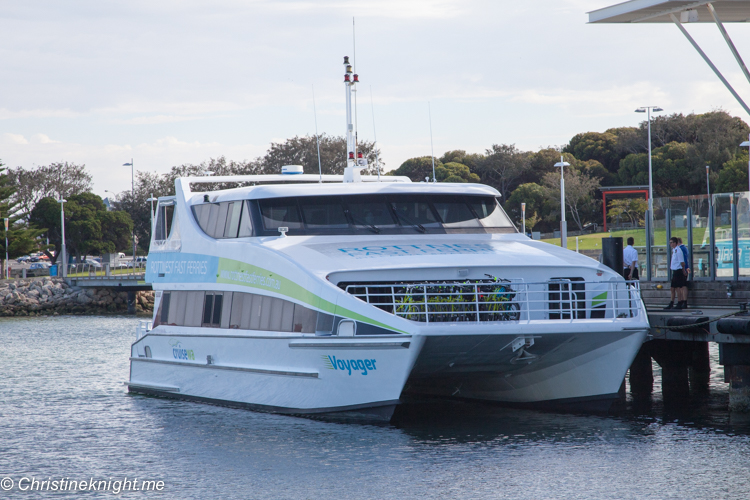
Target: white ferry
314	294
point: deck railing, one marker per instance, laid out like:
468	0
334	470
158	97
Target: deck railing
503	300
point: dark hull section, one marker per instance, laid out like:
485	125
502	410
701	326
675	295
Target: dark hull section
567	370
374	412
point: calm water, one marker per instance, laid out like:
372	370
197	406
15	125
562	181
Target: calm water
64	413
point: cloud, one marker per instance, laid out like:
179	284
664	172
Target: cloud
14	139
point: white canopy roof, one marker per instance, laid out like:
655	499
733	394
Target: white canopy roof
657	11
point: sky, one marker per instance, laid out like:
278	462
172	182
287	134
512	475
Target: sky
173	82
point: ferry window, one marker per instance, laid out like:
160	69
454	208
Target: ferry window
234	209
324	323
162	315
163	224
280	212
226	310
177	309
217	223
304	319
370	212
412	212
201	213
454	212
246	224
325	213
212	307
238	310
193	308
489	212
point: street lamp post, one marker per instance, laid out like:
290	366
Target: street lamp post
132	200
523	215
63	254
648	109
708	186
563	225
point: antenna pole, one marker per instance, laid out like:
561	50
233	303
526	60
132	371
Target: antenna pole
432	151
375	134
317	137
354	89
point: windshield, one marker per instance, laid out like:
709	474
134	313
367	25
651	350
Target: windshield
387	214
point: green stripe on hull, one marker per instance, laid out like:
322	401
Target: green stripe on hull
234	272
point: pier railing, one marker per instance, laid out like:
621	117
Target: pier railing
505	300
94	271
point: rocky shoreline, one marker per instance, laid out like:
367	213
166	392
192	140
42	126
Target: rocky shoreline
52	296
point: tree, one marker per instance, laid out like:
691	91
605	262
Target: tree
601	147
632	208
304	151
540	163
674	170
502	167
89	228
59	180
455	172
21	239
46	214
460	156
579	194
733	176
535	198
418	169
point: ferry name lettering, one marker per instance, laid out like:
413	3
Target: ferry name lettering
251	278
181	266
395	250
358	365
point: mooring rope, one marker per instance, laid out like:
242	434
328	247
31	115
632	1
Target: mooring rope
693	325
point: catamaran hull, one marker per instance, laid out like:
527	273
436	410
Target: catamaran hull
352	378
568	370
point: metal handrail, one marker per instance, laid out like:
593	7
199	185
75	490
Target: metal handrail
86	270
144	326
502	301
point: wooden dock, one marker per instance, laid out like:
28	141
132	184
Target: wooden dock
679	341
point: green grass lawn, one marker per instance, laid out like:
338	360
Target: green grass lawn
594	241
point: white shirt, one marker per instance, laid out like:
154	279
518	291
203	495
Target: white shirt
677	259
629	256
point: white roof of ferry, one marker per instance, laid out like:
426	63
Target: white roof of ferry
331	188
657	11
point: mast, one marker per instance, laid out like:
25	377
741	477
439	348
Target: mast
351	173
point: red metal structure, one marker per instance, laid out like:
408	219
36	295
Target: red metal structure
619	190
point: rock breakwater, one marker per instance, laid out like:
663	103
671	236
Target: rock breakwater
52	296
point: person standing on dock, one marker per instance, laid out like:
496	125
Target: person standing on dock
679	274
684	289
630	261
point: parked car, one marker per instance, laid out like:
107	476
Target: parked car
139	261
93	263
25	258
38	269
